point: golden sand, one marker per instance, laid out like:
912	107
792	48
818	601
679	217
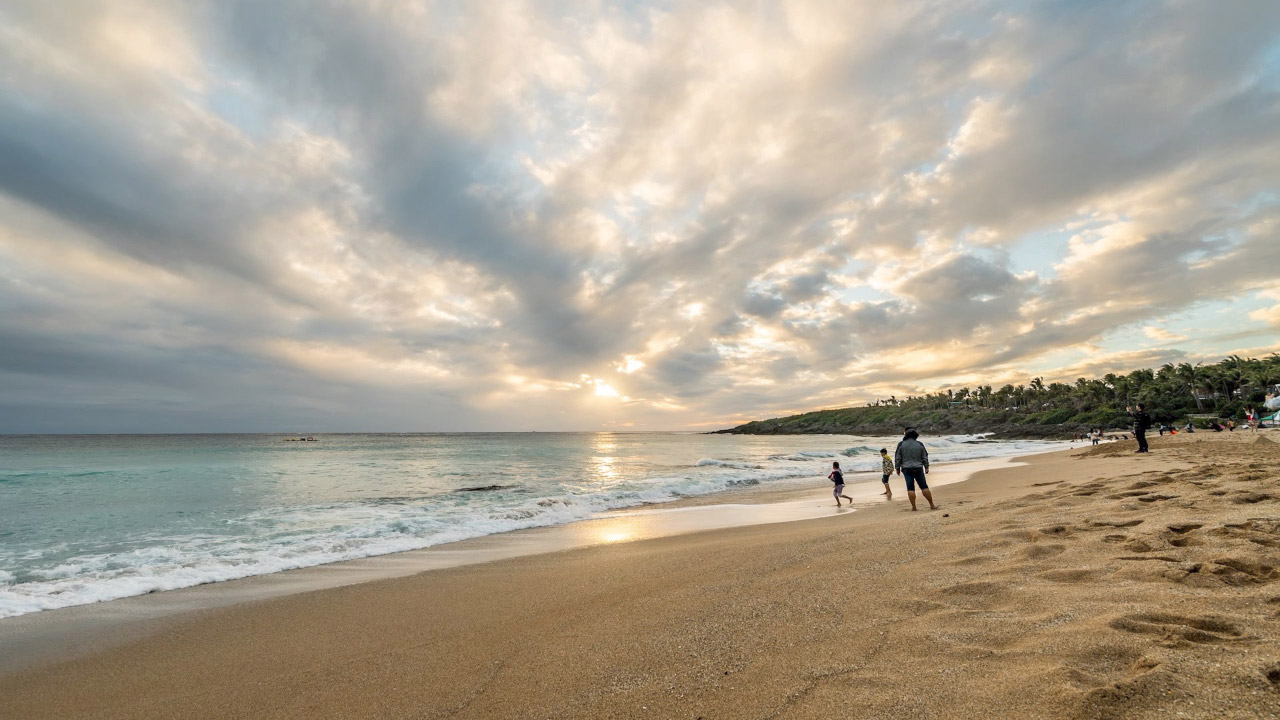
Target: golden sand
1090	584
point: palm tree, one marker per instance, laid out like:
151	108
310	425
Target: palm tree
1190	374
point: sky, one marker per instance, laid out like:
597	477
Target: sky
309	216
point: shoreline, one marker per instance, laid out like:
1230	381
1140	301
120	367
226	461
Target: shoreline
350	500
1088	582
36	639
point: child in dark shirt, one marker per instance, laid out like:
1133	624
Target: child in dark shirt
837	477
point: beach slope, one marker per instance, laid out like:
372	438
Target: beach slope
1090	583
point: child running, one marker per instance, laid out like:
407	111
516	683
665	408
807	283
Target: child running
886	467
837	477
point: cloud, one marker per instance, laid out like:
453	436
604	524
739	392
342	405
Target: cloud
438	216
1269	315
1160	334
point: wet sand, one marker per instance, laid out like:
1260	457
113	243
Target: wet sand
1090	583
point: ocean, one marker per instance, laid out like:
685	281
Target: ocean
97	517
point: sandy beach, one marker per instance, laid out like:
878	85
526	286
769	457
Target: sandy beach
1091	583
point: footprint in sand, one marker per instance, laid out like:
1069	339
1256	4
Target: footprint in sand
975	560
1259	531
1139	545
1238	571
984	593
1145	676
1040	551
1128	494
1180	534
1077	575
1203	629
1251	498
1115	523
1234	572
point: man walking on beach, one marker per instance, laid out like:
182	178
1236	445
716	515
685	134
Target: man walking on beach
911	461
1141	421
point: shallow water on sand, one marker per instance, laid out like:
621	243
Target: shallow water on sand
90	518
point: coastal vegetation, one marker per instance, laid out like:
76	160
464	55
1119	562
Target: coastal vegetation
1174	394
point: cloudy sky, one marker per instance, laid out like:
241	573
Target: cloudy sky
309	216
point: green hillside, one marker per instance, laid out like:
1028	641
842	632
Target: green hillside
1172	394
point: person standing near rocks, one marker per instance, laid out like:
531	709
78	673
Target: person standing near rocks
911	461
1141	421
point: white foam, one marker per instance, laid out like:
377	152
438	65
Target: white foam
706	462
286	538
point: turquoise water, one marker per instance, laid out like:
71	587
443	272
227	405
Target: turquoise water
91	518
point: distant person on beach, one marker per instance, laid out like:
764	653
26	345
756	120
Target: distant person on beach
837	477
1097	435
1141	421
886	469
911	460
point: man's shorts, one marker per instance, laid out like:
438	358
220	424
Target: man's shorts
885	479
913	476
838	491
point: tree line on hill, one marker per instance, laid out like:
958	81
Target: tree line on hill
1171	394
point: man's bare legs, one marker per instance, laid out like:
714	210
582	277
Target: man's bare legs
911	495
